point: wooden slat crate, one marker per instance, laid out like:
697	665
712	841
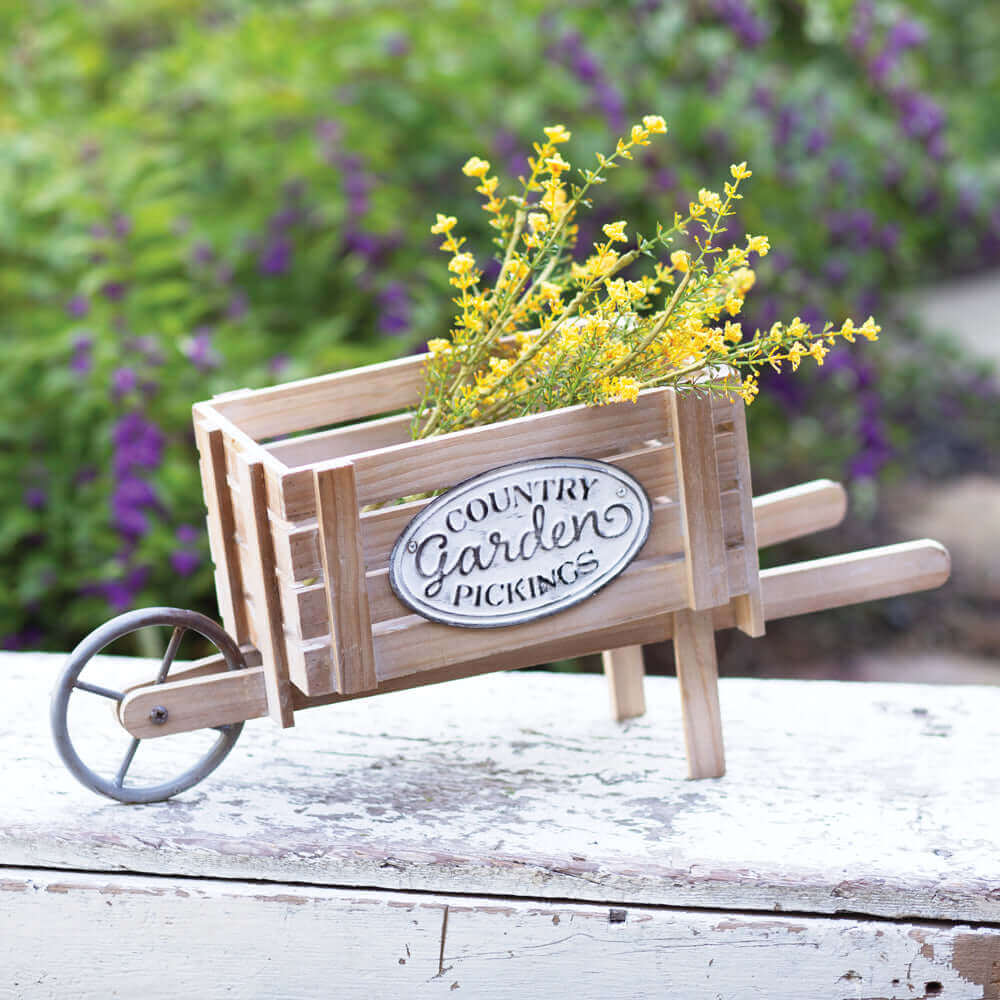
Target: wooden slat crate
284	511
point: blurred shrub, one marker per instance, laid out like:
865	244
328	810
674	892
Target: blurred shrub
197	195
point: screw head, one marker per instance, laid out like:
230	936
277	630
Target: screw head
158	715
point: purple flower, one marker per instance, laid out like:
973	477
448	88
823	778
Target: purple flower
27	638
817	140
121	225
888	236
397	45
138	443
114	291
278	364
906	34
121	594
202	253
184	563
78	306
238	306
187	534
82	361
394	308
199	351
84	475
276	257
745	24
35	498
836	270
863	17
123	381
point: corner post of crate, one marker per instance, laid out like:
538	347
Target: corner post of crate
263	589
748	608
707	573
339	520
221	527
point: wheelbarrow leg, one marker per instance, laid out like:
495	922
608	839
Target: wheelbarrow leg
698	677
625	673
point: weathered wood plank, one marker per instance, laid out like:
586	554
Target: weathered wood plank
519	785
349	615
698	679
211	937
699	496
262	584
326	399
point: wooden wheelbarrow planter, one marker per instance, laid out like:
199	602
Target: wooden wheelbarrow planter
301	530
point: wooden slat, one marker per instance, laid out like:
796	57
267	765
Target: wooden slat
327	399
698	678
586	432
747	606
342	442
262	585
344	573
652	465
625	672
222	530
699	489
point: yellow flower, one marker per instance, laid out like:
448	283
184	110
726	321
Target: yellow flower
557	165
847	330
654	123
818	351
681	260
557	133
749	389
462	263
710	200
796	353
438	346
621	149
616	231
743	280
475	167
444	224
740	172
870	329
538	221
640	135
733	303
758	244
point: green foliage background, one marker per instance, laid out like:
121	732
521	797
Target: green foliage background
200	195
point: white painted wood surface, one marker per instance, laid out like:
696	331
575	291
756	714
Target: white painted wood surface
158	938
306	865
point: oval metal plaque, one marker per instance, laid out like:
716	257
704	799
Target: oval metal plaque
520	542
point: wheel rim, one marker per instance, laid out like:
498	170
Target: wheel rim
69	683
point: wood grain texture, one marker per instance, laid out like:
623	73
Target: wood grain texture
349	615
326	399
217	939
625	671
798	510
221	530
748	607
868	799
698	679
699	494
262	586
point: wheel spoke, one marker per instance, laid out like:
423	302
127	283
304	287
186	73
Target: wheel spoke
127	762
97	689
168	656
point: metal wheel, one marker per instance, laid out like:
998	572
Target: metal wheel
113	782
